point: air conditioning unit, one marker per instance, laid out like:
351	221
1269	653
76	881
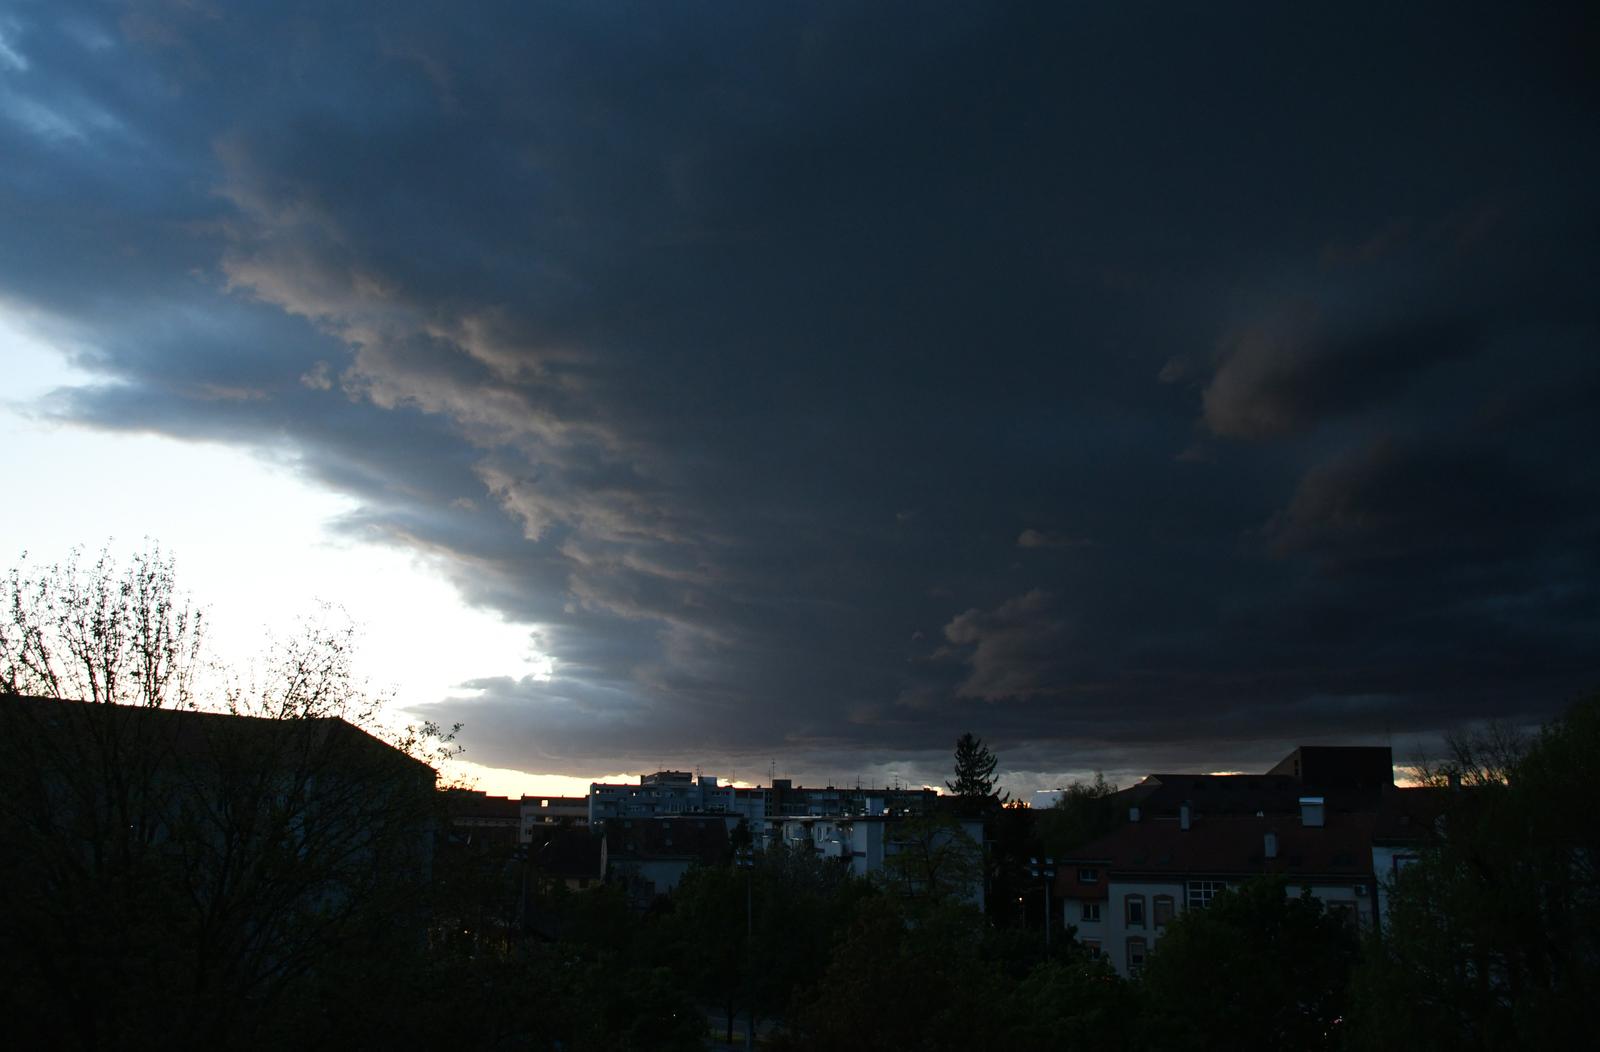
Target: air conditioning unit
1361	891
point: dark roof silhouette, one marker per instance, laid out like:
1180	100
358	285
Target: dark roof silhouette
1225	847
670	838
184	736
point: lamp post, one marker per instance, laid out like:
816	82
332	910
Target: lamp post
1045	868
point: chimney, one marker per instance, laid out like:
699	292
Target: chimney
1133	814
1311	811
1270	848
1183	816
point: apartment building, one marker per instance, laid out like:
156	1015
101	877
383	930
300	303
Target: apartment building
681	792
1315	819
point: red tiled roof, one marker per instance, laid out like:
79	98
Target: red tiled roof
1408	815
1229	846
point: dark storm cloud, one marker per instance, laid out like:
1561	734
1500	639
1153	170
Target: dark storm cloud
823	381
1286	374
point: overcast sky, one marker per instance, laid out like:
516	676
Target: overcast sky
803	384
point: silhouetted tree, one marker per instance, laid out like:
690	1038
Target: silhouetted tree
101	633
1257	968
935	861
974	773
182	876
747	938
1493	936
1084	811
1071	1002
891	985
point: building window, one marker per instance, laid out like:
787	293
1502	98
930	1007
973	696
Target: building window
1136	949
1345	912
1133	906
1091	947
1091	911
1162	907
1088	876
1201	892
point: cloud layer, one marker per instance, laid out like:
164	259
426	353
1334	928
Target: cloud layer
826	381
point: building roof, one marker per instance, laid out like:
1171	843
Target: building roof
187	735
476	806
1213	794
677	837
1409	814
1225	847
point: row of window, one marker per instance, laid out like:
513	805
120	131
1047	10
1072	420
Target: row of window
1200	894
1133	910
1137	948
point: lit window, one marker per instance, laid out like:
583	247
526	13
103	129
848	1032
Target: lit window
1162	907
1091	911
1133	906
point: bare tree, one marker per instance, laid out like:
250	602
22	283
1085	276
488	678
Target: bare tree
1479	756
181	874
101	632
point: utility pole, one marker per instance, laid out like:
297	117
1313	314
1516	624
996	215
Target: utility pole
747	863
1045	868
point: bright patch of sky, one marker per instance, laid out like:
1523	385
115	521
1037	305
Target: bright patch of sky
250	545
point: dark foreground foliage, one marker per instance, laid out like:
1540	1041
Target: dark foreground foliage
1493	942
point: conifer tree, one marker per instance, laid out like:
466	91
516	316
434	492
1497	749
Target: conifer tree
975	764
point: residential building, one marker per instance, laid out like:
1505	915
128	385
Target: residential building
552	810
478	819
651	855
573	855
250	842
1319	819
680	792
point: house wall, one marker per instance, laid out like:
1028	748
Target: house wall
1387	861
648	878
1113	931
1114	917
658	799
1356	897
863	842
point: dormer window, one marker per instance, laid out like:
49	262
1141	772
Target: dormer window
1088	876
